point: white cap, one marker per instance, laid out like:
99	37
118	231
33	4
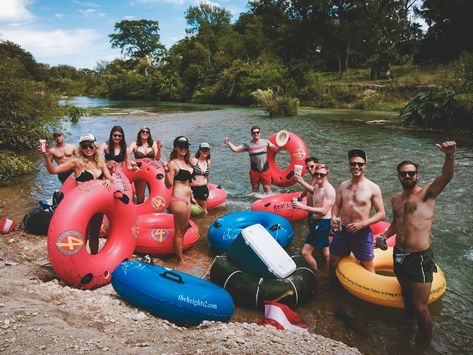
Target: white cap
89	137
204	145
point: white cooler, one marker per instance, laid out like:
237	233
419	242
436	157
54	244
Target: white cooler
256	252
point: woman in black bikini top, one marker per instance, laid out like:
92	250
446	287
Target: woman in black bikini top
115	149
178	176
87	165
200	180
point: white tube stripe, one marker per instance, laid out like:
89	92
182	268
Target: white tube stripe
421	267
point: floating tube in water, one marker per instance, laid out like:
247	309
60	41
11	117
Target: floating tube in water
179	297
281	205
224	230
251	291
217	197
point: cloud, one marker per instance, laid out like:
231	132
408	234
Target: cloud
14	11
59	15
91	12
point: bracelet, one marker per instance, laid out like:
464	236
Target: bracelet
450	156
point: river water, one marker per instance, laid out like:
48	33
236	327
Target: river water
329	134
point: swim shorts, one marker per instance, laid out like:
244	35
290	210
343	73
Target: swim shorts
414	266
256	177
63	176
200	193
360	243
319	230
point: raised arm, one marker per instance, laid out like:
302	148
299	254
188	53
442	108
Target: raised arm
233	147
448	169
307	187
65	167
170	169
158	145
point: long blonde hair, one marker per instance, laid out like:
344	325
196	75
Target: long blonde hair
83	158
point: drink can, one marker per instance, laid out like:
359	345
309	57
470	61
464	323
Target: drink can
297	170
294	200
42	144
339	224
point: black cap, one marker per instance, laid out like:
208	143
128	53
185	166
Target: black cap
181	141
357	153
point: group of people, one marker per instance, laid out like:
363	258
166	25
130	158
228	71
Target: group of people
346	215
188	177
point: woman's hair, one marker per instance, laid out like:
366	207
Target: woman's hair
187	157
197	155
111	150
97	156
138	138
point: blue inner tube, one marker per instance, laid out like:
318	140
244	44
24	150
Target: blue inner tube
251	291
224	230
173	295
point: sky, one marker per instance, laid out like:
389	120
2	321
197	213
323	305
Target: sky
75	32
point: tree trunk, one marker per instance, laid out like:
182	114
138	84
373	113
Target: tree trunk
347	55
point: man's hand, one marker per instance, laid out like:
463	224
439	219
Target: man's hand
448	147
354	227
226	140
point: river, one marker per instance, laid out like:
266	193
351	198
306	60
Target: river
329	134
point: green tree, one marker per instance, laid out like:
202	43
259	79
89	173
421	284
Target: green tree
137	39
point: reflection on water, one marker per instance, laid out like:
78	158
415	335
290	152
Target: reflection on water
328	135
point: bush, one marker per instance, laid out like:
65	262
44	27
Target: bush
13	165
276	106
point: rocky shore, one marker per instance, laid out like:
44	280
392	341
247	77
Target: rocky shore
40	315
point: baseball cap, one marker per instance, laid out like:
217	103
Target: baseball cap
204	145
356	152
57	133
181	141
89	137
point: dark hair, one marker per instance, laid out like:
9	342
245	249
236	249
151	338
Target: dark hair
111	150
197	155
255	127
187	157
313	159
406	162
138	138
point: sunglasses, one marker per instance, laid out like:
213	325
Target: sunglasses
144	131
407	173
57	135
87	146
182	146
356	164
117	135
310	166
205	150
255	132
320	174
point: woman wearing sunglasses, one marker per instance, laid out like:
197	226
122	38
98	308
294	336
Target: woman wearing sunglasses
87	164
179	174
143	147
200	180
115	149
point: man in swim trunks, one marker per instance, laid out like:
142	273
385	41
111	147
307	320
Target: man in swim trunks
413	213
257	149
61	152
320	199
355	200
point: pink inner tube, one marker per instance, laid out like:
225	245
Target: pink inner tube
217	196
298	153
281	205
67	236
155	233
380	228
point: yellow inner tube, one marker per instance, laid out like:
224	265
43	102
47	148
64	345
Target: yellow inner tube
381	289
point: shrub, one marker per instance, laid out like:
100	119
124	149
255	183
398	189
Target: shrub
276	105
13	165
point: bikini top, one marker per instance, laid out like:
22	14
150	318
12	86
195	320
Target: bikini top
119	158
141	155
183	175
87	176
198	170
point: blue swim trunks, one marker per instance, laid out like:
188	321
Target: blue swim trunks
319	230
360	243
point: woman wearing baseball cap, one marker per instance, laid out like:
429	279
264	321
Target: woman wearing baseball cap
179	174
200	180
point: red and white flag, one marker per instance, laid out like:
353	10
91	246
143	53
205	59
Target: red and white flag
282	317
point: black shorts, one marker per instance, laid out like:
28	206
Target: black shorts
414	266
63	176
201	193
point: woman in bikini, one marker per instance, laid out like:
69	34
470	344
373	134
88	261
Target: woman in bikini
179	173
87	165
200	180
115	149
143	147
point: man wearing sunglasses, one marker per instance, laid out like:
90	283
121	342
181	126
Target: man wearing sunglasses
355	200
413	213
320	199
60	153
257	149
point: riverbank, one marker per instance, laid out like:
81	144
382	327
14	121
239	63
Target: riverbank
39	315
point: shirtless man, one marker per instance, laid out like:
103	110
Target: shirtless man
355	199
60	153
257	149
320	199
413	213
